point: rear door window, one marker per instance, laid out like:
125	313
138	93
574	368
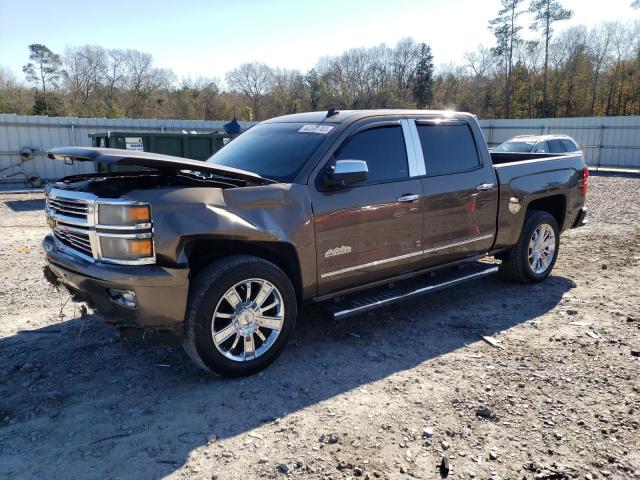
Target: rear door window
555	146
448	148
383	149
569	146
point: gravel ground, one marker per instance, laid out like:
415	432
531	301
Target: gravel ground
382	395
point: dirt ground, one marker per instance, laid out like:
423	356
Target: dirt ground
383	395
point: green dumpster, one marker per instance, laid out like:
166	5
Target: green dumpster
196	146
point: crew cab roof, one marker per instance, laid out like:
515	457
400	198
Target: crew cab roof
344	115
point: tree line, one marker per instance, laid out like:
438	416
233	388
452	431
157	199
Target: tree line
579	72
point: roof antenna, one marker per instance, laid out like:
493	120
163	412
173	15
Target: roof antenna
332	111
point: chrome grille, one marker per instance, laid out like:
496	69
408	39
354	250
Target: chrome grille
68	207
73	217
73	237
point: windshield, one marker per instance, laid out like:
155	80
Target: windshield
274	151
517	147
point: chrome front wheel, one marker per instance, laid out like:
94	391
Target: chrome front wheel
248	319
542	248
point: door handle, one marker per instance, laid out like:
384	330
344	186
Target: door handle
485	186
408	198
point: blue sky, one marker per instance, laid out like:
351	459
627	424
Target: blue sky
207	38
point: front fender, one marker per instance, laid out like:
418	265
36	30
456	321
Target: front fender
269	213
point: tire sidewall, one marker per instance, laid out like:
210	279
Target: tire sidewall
208	300
531	225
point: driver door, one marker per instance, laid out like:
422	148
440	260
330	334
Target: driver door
372	229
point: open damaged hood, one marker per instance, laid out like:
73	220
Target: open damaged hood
151	160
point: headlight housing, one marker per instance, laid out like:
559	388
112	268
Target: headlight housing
119	248
124	215
125	233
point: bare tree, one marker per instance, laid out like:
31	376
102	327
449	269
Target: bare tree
622	46
481	61
599	49
253	80
82	71
406	57
112	72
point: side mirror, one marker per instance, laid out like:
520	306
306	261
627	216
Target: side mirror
346	172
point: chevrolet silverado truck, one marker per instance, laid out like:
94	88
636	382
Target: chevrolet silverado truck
352	209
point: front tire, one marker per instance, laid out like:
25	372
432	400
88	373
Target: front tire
242	310
532	259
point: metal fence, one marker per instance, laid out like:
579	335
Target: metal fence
42	133
605	141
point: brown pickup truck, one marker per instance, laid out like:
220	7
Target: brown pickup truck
354	209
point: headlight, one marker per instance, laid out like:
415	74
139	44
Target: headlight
112	247
122	215
124	232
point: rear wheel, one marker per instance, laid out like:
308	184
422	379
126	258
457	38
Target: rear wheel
242	310
532	259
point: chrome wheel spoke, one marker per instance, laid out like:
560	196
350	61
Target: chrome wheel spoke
225	333
232	297
544	261
249	347
265	291
255	333
260	335
274	323
270	306
542	248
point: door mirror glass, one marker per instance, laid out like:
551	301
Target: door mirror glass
346	172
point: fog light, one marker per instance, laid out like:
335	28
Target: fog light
126	298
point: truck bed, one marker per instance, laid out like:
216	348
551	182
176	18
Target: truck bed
525	178
499	158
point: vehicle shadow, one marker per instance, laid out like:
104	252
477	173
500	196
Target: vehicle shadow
75	402
30	205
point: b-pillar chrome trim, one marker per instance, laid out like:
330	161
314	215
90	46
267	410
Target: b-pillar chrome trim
415	157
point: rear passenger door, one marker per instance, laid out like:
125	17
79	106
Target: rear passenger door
460	193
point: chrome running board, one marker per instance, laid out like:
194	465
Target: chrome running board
383	296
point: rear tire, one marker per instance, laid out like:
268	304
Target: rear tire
533	257
233	326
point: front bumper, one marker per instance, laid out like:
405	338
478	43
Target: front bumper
580	220
161	293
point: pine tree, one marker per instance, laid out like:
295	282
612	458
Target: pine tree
423	83
505	28
44	68
547	12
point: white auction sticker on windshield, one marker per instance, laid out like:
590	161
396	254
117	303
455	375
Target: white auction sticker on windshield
322	129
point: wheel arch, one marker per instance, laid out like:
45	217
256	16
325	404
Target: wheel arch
556	205
201	252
